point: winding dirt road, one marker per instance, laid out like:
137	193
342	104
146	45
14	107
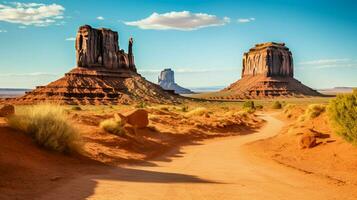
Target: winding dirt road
214	169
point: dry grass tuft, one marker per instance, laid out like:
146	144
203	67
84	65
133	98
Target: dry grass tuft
48	125
315	110
113	125
200	111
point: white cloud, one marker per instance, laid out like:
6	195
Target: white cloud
246	20
3	31
184	21
100	18
328	63
71	39
36	14
22	27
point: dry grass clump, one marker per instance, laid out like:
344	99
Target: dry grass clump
343	115
200	111
288	110
48	125
312	111
276	105
248	105
315	110
113	125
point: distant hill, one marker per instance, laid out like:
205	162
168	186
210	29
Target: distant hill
336	90
12	92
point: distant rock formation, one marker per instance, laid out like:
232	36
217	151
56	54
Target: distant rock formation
100	48
268	59
167	81
267	72
104	74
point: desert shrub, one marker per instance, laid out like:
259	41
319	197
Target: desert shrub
276	105
314	110
77	108
248	105
113	125
184	108
343	114
141	105
259	107
199	111
48	125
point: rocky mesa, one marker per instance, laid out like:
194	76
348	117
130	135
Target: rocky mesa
104	74
267	72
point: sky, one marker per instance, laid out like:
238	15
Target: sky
202	41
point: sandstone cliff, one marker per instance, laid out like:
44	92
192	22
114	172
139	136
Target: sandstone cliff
167	81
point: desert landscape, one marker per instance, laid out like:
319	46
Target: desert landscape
103	129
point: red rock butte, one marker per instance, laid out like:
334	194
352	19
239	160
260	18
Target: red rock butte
267	72
104	74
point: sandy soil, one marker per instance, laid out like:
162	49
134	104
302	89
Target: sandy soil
212	169
332	158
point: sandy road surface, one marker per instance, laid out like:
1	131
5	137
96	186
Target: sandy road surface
214	169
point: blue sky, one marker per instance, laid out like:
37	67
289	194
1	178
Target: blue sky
203	41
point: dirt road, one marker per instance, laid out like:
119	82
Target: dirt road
214	169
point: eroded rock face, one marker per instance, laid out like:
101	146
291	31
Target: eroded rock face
100	48
268	59
167	81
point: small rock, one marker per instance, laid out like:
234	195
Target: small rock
307	140
7	110
138	118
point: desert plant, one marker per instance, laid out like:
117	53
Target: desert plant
77	108
276	105
248	105
48	125
184	108
141	105
342	112
259	107
314	110
197	112
113	125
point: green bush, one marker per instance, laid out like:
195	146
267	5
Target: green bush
248	105
343	115
113	125
48	125
277	105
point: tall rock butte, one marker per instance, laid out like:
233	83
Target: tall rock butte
267	72
104	74
167	81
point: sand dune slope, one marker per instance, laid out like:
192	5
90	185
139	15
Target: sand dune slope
214	169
